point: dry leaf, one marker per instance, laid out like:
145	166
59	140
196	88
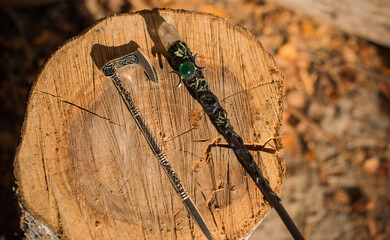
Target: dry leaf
47	37
310	156
213	10
308	28
296	99
288	51
371	165
290	141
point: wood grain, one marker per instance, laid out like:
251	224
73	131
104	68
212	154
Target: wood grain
84	169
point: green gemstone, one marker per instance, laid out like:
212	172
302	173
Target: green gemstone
186	69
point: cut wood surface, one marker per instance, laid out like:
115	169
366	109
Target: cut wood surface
369	19
84	169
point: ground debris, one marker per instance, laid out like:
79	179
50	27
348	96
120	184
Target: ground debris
337	121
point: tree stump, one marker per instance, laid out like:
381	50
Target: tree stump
85	171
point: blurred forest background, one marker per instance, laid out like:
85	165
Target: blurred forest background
337	116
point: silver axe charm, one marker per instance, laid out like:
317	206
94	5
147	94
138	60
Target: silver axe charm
111	69
134	58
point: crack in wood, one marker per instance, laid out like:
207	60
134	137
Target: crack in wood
90	112
79	107
182	133
249	89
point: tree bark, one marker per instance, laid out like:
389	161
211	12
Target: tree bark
369	19
85	171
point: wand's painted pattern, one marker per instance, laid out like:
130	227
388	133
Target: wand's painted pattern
199	89
197	86
183	51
